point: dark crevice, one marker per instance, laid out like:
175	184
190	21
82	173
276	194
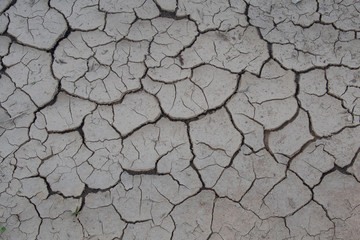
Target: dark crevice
272	188
12	40
325	210
122	234
246	13
317	8
285	223
267	146
66	35
51	192
285	123
172	233
320	67
339	131
87	191
81	131
193	157
207	112
119	101
199	116
304	183
242	142
12	3
269	47
172	15
339	98
148	172
3	70
311	127
261	70
234	156
70	130
352	161
301	207
301	150
53	100
297	82
125	136
335	168
179	55
212	216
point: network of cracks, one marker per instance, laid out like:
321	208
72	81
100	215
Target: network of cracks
180	119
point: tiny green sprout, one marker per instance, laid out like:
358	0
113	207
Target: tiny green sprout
75	85
76	212
3	229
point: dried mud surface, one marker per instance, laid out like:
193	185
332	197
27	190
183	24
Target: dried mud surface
180	119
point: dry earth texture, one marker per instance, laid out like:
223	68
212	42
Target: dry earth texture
180	119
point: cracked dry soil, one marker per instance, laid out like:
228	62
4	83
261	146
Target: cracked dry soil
180	119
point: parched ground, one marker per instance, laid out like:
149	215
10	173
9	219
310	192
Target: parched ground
180	119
